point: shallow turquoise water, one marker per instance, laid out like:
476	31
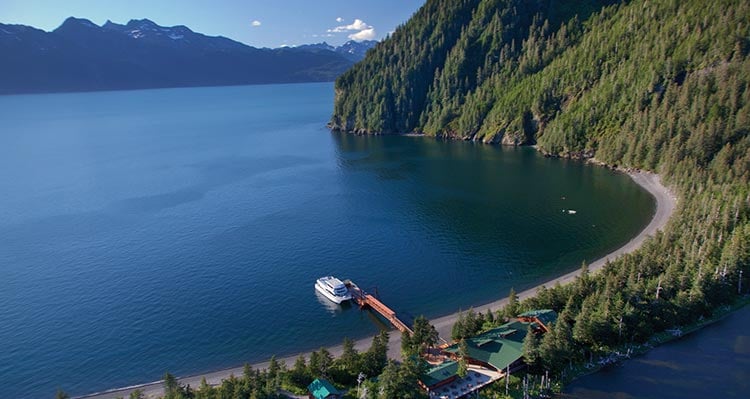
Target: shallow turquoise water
183	229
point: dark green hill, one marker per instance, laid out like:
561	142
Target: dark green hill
520	71
658	85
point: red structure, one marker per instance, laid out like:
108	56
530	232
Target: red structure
541	320
365	300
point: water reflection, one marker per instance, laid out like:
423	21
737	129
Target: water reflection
332	308
472	215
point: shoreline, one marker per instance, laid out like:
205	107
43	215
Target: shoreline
665	205
665	337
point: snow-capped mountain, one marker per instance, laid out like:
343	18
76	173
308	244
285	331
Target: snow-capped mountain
352	50
355	50
80	55
316	46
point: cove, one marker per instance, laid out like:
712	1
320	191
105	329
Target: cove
183	229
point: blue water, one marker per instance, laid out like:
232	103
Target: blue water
711	363
183	229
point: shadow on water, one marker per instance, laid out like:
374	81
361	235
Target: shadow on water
478	211
347	306
711	363
332	308
377	320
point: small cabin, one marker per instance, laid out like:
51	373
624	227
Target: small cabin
322	389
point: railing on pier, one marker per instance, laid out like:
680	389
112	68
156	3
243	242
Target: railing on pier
366	300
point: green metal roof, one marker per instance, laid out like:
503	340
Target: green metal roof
498	347
322	389
438	373
546	316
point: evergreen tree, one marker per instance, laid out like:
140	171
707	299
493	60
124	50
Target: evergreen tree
374	360
400	381
425	336
512	308
172	388
349	358
531	355
463	355
298	375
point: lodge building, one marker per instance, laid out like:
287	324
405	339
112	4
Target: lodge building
491	354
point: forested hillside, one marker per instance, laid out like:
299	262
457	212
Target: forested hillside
660	85
656	85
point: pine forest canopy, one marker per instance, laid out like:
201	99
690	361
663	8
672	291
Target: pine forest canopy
655	85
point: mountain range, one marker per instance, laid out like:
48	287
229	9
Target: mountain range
82	56
352	50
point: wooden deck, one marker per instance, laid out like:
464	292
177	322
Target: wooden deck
367	300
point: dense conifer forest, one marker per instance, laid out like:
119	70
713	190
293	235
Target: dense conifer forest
655	85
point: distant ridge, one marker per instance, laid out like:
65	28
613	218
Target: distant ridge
352	50
82	56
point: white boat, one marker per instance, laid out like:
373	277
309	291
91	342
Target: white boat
333	289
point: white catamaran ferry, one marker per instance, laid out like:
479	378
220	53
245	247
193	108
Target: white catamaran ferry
333	289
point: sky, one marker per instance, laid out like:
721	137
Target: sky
259	23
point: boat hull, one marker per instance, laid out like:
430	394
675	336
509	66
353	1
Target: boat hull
333	298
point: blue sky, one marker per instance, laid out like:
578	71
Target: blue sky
260	23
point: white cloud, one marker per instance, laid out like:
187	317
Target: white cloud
364	34
255	23
359	30
358	24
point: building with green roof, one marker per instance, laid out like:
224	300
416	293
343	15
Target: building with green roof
543	317
439	375
322	389
502	347
497	348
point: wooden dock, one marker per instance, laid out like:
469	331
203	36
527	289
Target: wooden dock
367	300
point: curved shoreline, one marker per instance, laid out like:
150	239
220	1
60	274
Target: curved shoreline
665	205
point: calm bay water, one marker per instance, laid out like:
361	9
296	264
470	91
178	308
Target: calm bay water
711	363
183	229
